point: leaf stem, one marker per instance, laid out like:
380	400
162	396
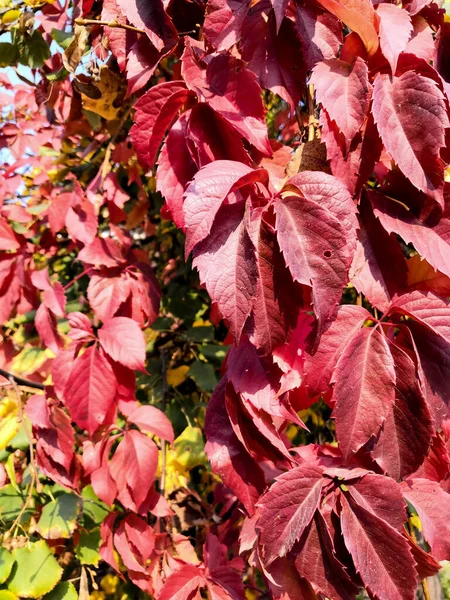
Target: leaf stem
112	24
311	112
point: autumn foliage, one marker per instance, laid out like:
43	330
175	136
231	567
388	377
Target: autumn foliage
224	299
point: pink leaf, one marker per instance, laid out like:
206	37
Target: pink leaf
364	389
90	389
103	252
344	91
227	266
151	420
45	323
223	22
321	33
395	31
155	111
123	340
429	309
404	109
287	509
8	239
208	190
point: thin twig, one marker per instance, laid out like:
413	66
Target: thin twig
311	113
162	482
32	465
21	380
112	24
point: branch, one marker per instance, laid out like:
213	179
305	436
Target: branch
22	381
112	24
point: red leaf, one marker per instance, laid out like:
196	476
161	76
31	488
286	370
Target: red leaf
287	509
279	8
427	308
275	57
81	222
227	455
431	243
317	563
151	420
315	247
133	468
182	584
45	323
236	96
227	266
103	252
403	109
90	389
359	16
321	34
107	290
395	31
8	239
155	111
319	367
344	91
406	435
381	555
223	22
431	502
152	18
207	192
175	169
364	380
123	340
80	326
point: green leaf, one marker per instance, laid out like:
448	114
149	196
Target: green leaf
8	54
203	333
35	51
6	563
62	38
63	591
59	517
11	502
204	376
94	510
20	440
88	546
35	571
213	352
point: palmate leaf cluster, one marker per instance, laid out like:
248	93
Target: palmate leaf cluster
224	299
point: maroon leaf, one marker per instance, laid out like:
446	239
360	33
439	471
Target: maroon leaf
381	555
155	111
319	367
90	389
223	22
287	509
344	91
314	246
208	190
182	584
321	33
227	455
427	308
429	500
123	340
152	18
402	109
406	435
364	392
395	31
227	266
237	96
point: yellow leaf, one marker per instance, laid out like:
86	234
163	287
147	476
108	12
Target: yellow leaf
415	521
190	448
110	86
30	360
176	376
109	584
10	16
9	424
